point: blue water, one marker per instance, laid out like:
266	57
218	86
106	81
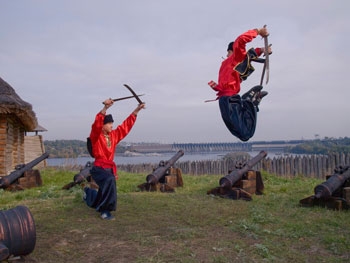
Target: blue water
153	159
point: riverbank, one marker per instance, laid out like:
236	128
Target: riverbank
149	158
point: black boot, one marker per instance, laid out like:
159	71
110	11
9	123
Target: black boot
258	97
249	95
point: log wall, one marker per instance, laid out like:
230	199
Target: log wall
317	166
34	148
11	143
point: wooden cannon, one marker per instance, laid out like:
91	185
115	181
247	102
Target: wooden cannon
165	177
17	232
242	182
334	193
23	176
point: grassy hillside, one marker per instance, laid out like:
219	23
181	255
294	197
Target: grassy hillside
185	226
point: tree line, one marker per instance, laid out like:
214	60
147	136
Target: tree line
70	148
322	146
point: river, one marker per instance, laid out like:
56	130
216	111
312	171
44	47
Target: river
147	158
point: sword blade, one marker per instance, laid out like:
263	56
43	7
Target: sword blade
125	98
128	97
267	62
133	93
263	74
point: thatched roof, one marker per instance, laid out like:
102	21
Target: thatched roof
39	128
11	103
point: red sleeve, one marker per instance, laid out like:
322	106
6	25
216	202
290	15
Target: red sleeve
123	129
96	127
239	45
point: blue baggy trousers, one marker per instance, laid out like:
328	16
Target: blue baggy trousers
105	198
239	116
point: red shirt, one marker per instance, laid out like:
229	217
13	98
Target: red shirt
104	155
229	82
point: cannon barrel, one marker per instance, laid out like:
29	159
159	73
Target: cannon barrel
79	177
236	175
158	173
9	179
83	174
327	188
17	232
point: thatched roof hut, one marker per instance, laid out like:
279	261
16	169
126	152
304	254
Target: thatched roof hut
16	118
11	103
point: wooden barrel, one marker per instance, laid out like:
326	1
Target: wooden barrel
17	232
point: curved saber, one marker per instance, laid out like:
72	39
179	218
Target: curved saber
125	98
134	93
267	62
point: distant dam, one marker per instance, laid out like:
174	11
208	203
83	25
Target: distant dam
275	146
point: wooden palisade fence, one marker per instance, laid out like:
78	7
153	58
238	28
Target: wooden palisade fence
317	166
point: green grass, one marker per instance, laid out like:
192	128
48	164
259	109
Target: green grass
185	226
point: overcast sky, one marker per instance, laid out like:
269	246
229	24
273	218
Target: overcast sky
65	57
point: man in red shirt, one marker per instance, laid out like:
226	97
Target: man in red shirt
104	171
239	113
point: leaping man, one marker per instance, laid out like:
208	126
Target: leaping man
239	113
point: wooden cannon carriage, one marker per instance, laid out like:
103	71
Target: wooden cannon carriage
334	193
165	177
23	177
242	182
